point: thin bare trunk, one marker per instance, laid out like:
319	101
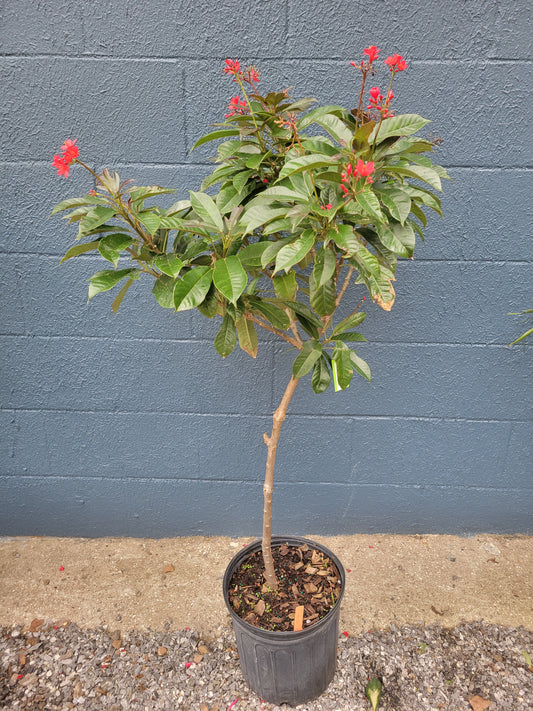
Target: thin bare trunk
268	487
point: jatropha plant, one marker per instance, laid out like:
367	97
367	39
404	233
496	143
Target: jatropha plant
308	202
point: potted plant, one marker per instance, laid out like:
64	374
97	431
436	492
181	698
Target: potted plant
309	202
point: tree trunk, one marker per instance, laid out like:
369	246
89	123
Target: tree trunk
272	444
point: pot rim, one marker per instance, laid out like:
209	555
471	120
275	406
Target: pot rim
253	547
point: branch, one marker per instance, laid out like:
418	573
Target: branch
273	329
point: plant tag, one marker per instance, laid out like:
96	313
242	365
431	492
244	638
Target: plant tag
336	377
299	619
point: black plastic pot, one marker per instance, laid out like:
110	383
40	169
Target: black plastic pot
287	667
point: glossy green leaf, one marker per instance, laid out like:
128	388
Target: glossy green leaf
285	286
169	264
247	336
78	202
325	265
226	337
191	290
426	175
229	278
163	290
281	193
107	279
397	202
342	367
80	249
320	378
320	111
404	125
291	254
270	253
209	306
250	255
257	215
360	366
345	238
308	162
205	208
112	245
214	135
350	322
94	218
240	180
306	358
151	220
348	337
274	315
369	203
336	129
120	296
400	239
322	298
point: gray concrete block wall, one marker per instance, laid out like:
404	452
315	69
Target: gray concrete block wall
133	425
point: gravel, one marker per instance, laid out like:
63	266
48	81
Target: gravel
61	666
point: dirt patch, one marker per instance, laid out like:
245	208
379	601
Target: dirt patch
145	583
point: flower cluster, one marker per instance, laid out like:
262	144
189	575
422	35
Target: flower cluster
236	106
372	54
377	103
69	153
352	174
233	67
396	63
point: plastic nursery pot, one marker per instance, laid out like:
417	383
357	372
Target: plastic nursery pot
287	667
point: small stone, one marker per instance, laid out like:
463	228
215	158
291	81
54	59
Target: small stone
203	649
116	643
161	651
116	634
35	624
169	568
46	581
197	658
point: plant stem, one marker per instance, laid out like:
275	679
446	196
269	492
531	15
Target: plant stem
272	444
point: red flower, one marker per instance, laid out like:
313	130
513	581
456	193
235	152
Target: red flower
251	75
236	106
396	63
61	165
232	66
364	169
372	53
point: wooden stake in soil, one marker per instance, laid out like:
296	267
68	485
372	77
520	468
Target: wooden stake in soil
299	619
268	487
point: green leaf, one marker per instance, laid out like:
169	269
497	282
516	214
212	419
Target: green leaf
373	692
192	288
342	367
250	255
240	180
348	337
80	249
291	254
112	245
120	296
285	286
163	290
270	253
397	202
107	279
306	358
150	220
307	162
281	193
426	175
350	322
226	337
257	215
247	336
230	278
209	306
369	203
336	129
77	202
322	298
205	208
400	239
94	218
360	366
169	264
214	135
271	313
345	238
325	264
320	378
404	125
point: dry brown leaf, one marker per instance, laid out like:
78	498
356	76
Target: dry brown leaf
259	609
479	704
386	305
